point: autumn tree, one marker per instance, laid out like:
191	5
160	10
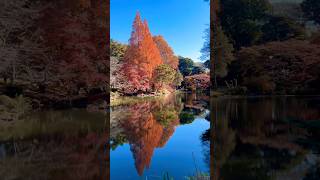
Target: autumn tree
141	57
197	82
166	52
115	74
75	34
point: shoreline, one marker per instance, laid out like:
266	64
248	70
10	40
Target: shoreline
118	100
224	94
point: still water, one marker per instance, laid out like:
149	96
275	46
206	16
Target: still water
160	138
266	138
251	138
55	145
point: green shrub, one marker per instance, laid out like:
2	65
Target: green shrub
186	118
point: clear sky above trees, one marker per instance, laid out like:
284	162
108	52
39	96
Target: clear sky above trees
180	22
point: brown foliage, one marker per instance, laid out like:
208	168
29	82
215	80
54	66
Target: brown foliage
166	52
197	82
292	66
316	38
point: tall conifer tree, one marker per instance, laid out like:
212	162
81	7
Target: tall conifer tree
141	57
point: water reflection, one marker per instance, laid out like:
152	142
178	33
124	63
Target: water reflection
265	138
150	124
55	145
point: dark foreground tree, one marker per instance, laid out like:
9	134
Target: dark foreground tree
222	49
241	20
185	66
311	9
281	29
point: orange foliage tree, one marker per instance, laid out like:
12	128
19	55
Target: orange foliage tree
166	52
141	57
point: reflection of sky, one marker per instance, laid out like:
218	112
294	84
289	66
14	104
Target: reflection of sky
175	157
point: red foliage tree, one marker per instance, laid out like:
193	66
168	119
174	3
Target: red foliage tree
197	82
141	57
76	38
166	52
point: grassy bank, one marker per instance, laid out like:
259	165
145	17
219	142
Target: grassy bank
127	100
118	100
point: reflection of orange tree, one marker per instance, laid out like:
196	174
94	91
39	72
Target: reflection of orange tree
147	129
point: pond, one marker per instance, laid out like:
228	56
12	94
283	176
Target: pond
69	144
266	138
251	138
163	137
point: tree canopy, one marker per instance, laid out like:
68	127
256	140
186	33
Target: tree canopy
288	67
141	57
117	49
166	52
164	75
185	66
241	20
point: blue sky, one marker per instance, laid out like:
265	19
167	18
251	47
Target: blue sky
180	22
